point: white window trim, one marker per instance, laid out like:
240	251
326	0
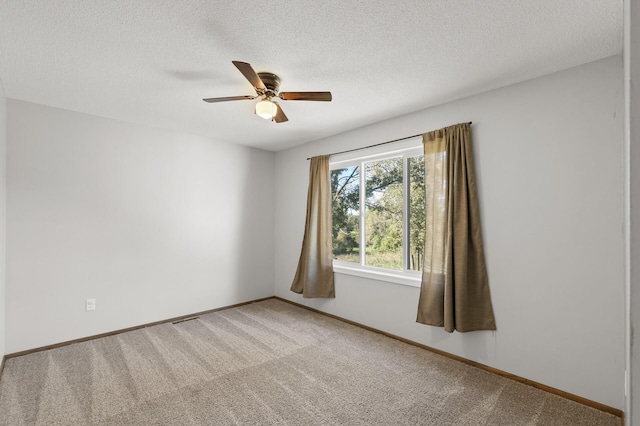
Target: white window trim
405	149
409	278
339	161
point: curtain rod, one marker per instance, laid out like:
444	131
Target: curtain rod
378	144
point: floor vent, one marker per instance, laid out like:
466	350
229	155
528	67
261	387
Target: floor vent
186	319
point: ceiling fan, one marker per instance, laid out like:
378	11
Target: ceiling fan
267	86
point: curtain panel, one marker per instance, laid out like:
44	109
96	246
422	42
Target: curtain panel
454	292
314	276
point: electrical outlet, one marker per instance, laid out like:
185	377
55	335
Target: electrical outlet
90	305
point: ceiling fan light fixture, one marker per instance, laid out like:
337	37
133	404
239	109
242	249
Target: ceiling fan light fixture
266	109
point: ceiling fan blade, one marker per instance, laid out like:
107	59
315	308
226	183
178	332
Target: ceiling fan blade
229	98
279	117
250	74
306	96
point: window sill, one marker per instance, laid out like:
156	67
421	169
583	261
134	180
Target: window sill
403	278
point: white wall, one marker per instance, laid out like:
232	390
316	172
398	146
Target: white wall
151	224
549	156
3	198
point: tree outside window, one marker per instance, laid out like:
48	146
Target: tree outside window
381	210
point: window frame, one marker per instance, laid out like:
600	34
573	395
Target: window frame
406	149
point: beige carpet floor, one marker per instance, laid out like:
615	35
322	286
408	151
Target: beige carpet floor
267	363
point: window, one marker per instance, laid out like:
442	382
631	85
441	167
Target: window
378	211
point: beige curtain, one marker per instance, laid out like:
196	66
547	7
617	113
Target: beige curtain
455	286
314	277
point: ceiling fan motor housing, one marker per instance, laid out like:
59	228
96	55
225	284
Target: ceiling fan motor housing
271	82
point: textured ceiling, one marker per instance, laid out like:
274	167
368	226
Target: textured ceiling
152	61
